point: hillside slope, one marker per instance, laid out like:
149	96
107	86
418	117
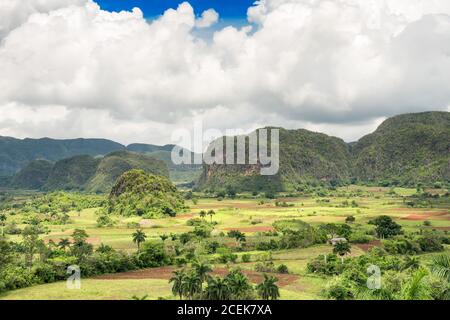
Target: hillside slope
15	154
72	173
33	176
304	156
115	164
405	149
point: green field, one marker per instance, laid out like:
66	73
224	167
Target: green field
252	215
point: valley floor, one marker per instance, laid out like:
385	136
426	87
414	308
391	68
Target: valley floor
251	216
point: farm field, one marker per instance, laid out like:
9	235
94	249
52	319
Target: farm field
253	216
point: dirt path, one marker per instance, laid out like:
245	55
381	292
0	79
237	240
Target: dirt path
166	273
370	245
428	215
252	229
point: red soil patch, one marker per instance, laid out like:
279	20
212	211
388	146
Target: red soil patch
442	228
370	245
185	216
165	273
426	215
253	229
93	240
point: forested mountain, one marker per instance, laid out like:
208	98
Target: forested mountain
85	172
305	156
404	150
16	154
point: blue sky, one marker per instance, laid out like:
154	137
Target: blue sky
228	9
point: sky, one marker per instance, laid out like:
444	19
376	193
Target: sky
138	71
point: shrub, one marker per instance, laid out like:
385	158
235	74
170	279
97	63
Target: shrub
282	268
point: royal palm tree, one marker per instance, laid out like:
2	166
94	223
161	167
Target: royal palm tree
268	290
64	243
192	285
239	284
211	213
138	237
202	269
2	222
178	283
217	289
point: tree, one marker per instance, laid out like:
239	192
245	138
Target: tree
239	285
386	227
268	290
201	269
211	213
192	284
238	235
202	214
164	237
217	289
350	219
417	287
30	243
440	267
178	282
64	243
79	236
342	248
138	237
2	222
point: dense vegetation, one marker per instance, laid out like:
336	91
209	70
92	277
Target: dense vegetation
304	157
405	150
17	157
85	172
142	194
214	262
15	154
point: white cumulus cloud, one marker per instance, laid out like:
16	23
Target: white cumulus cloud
325	65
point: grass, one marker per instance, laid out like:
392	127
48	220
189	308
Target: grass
235	214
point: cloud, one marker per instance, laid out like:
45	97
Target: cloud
208	18
321	64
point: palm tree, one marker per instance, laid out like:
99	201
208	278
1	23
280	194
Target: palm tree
217	289
202	214
239	284
164	237
202	269
178	283
440	267
138	237
2	222
416	288
192	285
211	213
268	290
64	243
